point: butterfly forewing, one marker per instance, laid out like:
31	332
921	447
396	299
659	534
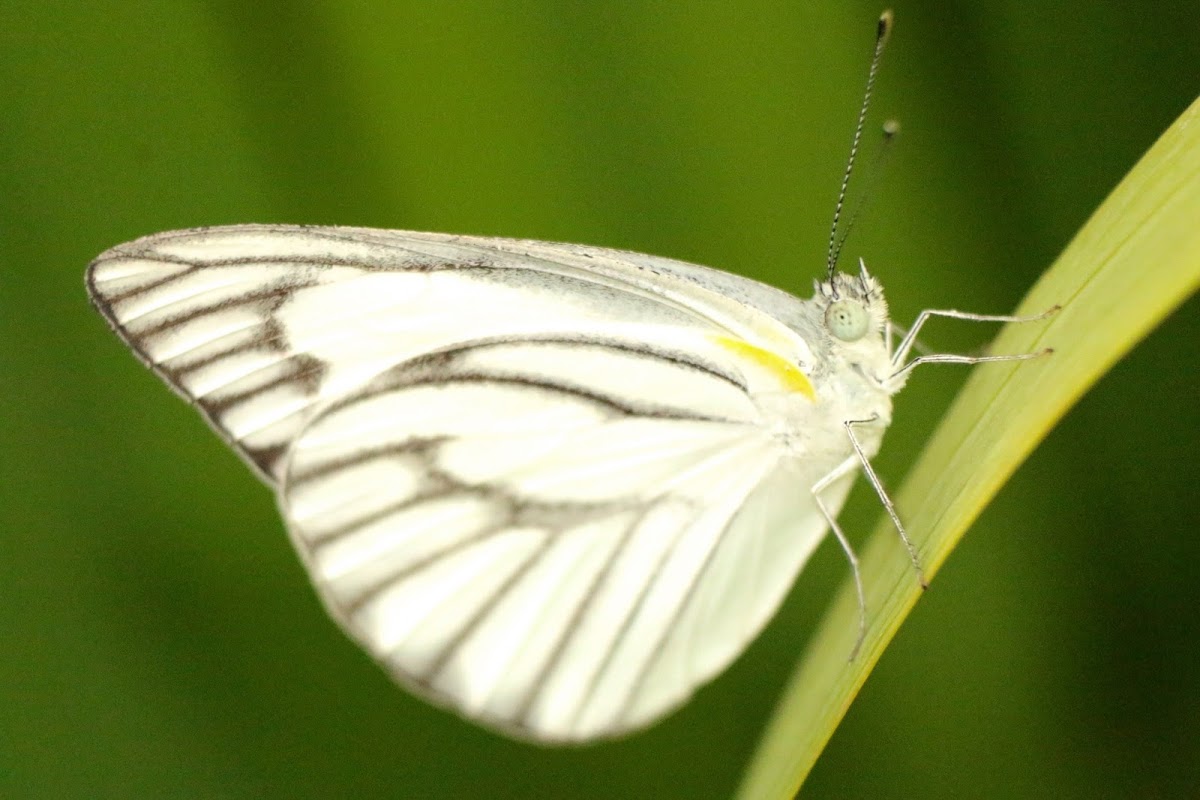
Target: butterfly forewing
257	324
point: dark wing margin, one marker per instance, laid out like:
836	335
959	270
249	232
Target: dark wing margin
206	324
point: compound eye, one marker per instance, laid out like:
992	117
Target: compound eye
847	320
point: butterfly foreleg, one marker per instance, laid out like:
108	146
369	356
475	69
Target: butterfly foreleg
895	332
900	355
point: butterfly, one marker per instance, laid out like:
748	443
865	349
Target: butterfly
553	487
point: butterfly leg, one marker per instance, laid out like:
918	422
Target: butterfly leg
840	471
864	462
895	331
910	339
860	461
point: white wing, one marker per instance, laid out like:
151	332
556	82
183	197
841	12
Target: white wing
535	481
564	556
256	324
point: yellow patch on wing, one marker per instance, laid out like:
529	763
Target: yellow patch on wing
792	378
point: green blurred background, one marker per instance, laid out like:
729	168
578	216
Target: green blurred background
158	636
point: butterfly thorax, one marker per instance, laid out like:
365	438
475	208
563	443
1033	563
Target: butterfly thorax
844	327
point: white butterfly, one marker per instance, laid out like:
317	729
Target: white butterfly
553	487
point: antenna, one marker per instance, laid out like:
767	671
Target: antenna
891	129
881	36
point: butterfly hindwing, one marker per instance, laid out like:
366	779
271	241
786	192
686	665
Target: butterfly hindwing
520	531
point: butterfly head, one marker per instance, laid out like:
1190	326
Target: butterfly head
853	306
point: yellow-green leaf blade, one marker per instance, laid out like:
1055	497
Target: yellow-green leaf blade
1131	264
